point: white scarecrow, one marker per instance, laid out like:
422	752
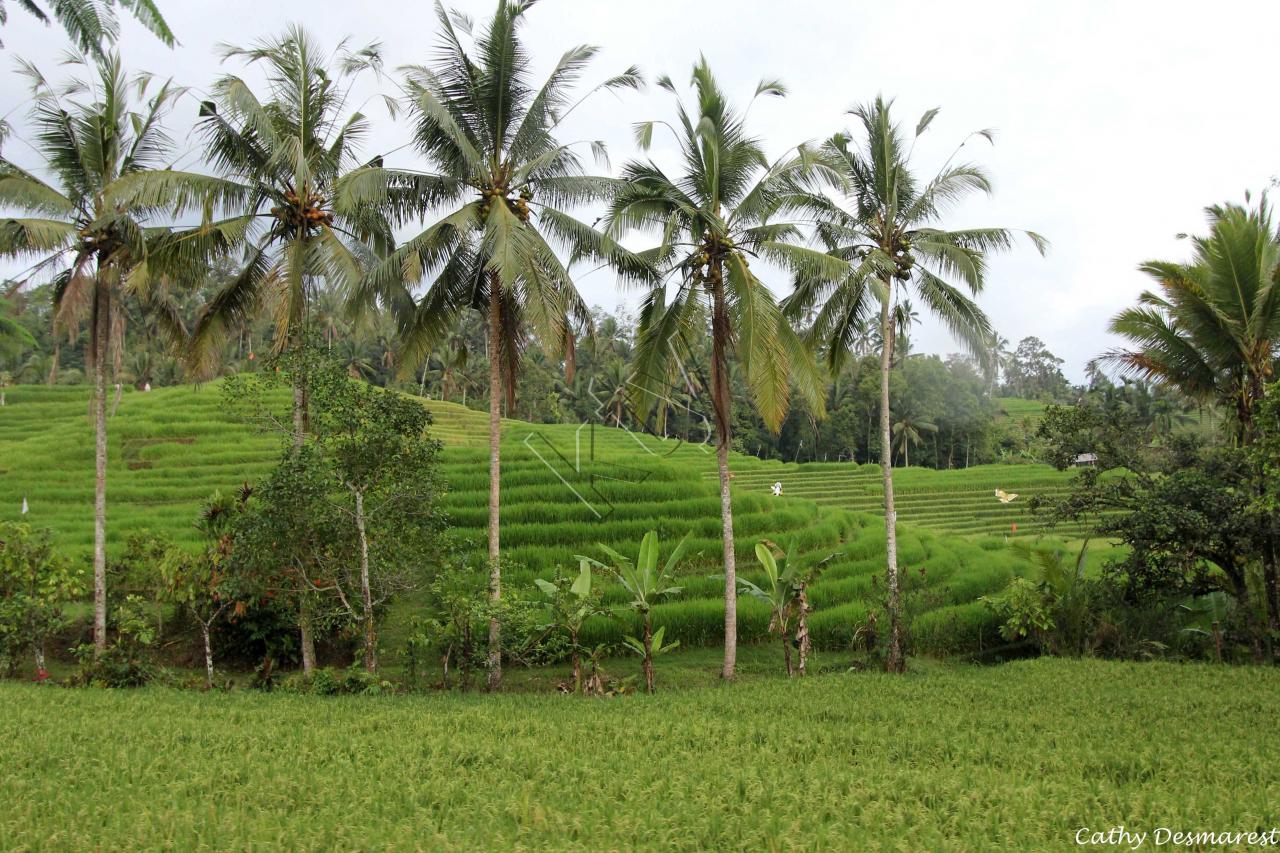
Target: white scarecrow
777	488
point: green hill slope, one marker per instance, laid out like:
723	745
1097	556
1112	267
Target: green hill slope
565	488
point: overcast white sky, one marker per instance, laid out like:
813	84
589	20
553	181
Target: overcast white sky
1117	122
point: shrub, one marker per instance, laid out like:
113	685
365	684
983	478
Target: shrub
352	681
126	662
962	629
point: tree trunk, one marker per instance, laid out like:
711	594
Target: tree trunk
495	481
577	663
895	661
1243	601
648	653
306	637
53	367
39	654
721	402
803	643
786	652
208	656
366	596
101	333
1270	584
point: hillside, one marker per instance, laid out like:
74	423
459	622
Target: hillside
1026	412
565	488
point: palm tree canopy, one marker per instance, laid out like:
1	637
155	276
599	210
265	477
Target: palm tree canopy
892	238
279	159
495	195
1211	328
84	226
91	23
725	209
14	337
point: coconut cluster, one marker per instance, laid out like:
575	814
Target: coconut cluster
903	258
519	205
702	262
299	211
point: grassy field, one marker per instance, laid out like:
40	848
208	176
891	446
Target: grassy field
949	757
565	488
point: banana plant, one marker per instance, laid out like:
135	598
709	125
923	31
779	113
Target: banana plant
781	592
572	604
646	585
649	648
1206	616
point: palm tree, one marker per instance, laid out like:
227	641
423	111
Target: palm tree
714	219
904	317
498	184
98	243
998	355
280	160
14	337
893	241
89	23
907	432
1212	329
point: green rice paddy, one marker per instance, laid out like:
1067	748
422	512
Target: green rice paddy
949	757
565	489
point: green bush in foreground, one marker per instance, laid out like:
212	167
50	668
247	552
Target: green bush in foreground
1015	757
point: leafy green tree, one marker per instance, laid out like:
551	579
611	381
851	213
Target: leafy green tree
92	237
200	582
376	452
91	23
496	192
1188	514
646	585
349	517
715	218
35	583
891	237
1032	372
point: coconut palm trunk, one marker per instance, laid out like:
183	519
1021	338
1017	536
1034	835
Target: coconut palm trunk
366	595
895	661
720	392
495	482
101	335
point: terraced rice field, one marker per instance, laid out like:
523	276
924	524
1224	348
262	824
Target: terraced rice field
960	502
1027	412
565	489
